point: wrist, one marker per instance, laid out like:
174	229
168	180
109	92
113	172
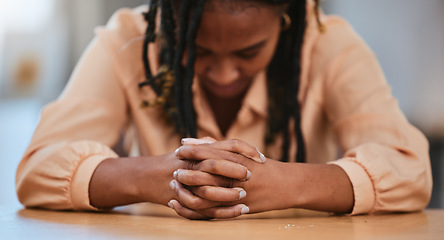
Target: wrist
322	187
278	187
292	185
113	183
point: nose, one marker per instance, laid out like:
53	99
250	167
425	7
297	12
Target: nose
223	71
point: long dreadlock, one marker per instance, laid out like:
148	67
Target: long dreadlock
283	72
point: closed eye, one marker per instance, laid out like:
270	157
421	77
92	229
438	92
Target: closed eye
251	51
245	53
202	52
248	54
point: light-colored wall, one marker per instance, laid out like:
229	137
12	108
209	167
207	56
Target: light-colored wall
86	15
408	39
37	52
54	47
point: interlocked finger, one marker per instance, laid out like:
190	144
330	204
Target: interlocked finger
199	178
240	147
209	213
220	167
205	151
188	199
232	145
219	194
186	212
225	212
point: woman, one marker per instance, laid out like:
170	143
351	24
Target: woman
237	78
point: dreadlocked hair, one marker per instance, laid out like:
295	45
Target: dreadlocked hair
173	82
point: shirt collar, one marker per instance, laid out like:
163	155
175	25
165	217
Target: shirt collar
255	101
257	97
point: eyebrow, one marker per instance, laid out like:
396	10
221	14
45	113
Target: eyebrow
246	49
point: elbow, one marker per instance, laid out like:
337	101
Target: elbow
33	194
419	197
423	184
419	181
26	192
425	189
20	188
32	191
420	191
407	192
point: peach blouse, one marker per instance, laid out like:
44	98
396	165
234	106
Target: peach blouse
349	118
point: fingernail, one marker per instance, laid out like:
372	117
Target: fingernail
242	194
177	152
176	173
184	140
245	209
170	204
263	158
248	175
173	184
195	141
256	159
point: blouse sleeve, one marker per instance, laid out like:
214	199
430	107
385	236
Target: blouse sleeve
75	133
386	158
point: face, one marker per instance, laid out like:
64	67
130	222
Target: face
233	45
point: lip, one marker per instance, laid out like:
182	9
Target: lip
226	91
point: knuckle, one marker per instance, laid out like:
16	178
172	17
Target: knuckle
235	144
252	151
234	195
236	212
233	212
193	178
184	177
177	192
230	183
212	166
194	203
204	192
212	214
193	151
191	165
221	181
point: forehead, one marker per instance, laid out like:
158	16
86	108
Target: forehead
235	25
233	6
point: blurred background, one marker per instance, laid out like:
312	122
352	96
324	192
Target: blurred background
41	41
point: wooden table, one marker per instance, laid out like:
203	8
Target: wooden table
157	222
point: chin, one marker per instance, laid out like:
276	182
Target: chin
232	91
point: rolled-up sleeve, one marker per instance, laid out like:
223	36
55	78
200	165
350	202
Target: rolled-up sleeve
76	132
57	177
386	158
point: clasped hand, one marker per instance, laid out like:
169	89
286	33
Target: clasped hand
222	179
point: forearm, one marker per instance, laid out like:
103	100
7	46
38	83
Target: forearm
122	181
321	187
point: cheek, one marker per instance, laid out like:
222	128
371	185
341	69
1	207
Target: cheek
199	66
262	61
259	63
